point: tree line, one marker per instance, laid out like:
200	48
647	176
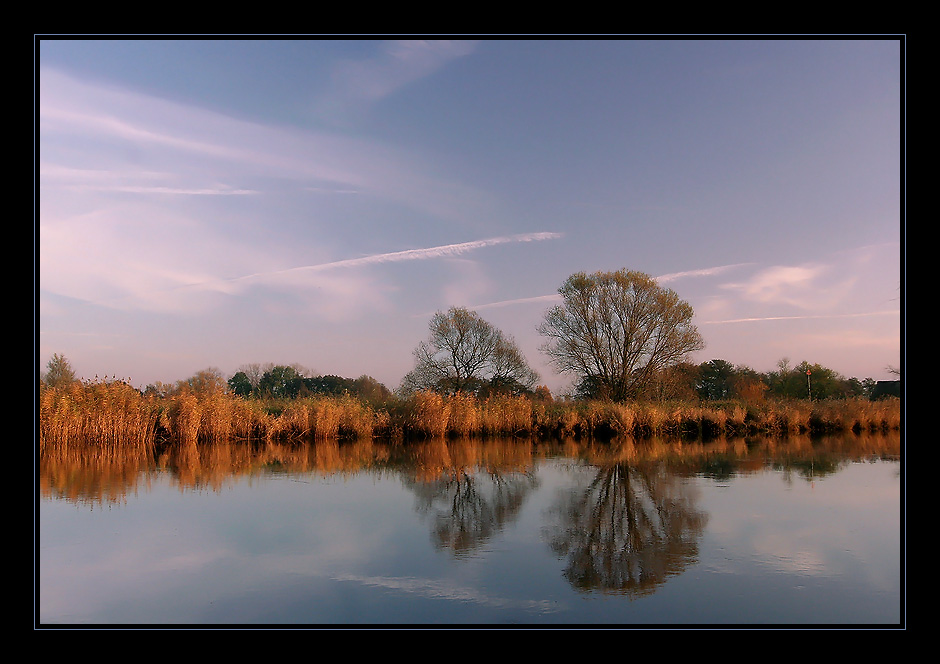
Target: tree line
714	380
620	335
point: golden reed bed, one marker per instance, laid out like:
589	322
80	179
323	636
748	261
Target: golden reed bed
112	413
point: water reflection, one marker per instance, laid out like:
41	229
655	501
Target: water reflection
469	490
627	529
95	476
622	517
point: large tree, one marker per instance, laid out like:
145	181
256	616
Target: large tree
464	353
617	331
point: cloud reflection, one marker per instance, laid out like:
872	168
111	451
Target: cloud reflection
434	589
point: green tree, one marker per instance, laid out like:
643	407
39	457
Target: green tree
716	380
253	373
868	387
812	381
821	383
58	371
617	331
466	353
329	384
240	384
281	382
786	382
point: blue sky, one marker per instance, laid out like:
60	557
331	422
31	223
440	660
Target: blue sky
215	203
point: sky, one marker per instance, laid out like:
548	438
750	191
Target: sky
213	203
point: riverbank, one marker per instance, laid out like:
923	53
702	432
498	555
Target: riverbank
115	414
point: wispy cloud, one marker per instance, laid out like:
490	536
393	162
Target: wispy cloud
126	180
819	316
555	297
538	299
125	131
705	272
789	284
128	177
352	289
397	64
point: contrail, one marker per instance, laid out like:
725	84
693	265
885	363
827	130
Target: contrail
441	251
554	297
706	272
753	320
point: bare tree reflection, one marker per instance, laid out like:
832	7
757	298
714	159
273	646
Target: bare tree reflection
469	493
628	530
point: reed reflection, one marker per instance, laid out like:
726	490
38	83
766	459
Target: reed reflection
107	474
96	476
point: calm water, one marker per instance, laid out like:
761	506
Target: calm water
762	532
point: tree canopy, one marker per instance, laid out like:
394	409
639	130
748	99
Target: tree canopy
58	371
289	382
464	353
617	332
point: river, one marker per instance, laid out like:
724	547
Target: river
751	532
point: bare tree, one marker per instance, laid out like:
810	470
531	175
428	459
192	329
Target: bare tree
466	353
254	371
618	331
205	381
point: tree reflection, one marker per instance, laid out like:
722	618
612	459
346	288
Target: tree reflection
468	508
628	530
470	491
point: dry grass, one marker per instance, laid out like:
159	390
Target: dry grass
191	417
105	414
507	415
427	415
111	414
857	415
325	418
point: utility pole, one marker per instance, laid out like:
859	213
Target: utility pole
809	386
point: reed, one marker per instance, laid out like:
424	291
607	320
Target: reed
357	419
651	420
609	419
103	414
856	415
715	422
324	418
465	414
111	414
428	415
194	417
736	417
507	416
554	420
